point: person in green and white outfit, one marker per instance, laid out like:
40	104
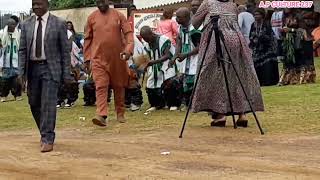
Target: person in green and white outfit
186	56
9	62
160	51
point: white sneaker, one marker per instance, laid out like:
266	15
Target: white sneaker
134	107
3	99
67	106
174	108
58	106
19	98
151	109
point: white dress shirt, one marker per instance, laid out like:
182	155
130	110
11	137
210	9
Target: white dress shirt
245	21
44	25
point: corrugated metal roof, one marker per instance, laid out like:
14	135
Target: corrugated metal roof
144	4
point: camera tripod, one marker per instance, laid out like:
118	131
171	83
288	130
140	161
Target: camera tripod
220	38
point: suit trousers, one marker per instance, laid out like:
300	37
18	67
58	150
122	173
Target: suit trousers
69	92
89	92
10	84
155	97
102	81
133	96
43	95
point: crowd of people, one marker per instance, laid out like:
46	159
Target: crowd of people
115	60
288	37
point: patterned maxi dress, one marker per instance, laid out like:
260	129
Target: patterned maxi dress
211	93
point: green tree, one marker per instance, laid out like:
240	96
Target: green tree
63	4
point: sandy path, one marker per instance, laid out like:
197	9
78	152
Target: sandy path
204	153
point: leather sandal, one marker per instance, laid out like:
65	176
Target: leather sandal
219	122
99	121
242	123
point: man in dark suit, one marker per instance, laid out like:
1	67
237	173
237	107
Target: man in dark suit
45	62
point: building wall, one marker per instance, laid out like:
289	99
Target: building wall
173	6
187	4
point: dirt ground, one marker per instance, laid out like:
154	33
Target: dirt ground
203	153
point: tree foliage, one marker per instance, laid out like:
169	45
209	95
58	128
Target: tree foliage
64	4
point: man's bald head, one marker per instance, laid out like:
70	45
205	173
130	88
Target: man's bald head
147	34
103	5
242	8
183	16
195	4
12	24
40	7
183	11
145	30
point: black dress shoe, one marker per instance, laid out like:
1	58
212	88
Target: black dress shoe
242	123
218	123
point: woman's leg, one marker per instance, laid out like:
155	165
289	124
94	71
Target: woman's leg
218	120
242	121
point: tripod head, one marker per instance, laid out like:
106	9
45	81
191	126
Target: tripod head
215	21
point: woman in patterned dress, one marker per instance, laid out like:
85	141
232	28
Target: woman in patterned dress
264	45
310	22
211	93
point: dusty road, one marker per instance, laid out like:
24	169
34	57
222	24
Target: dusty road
204	153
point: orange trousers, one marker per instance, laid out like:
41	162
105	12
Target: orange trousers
102	82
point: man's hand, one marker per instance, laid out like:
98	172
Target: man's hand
124	56
148	65
181	57
172	62
285	29
87	67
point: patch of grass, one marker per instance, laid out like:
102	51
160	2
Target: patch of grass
289	109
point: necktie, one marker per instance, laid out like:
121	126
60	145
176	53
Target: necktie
11	50
39	39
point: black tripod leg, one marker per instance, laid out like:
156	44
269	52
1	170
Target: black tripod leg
229	94
242	87
195	85
246	95
143	76
189	106
222	63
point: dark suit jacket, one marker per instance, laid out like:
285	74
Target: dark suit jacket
57	47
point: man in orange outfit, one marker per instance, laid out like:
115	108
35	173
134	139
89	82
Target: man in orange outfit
316	42
105	52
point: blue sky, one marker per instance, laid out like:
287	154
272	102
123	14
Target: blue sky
15	5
